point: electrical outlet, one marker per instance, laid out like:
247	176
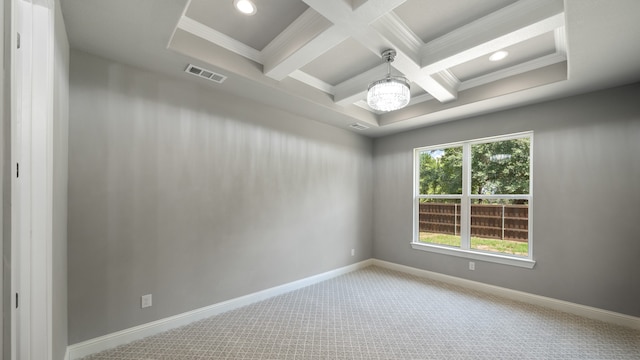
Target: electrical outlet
353	252
145	301
472	265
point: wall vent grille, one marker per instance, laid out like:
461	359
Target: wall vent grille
205	74
358	126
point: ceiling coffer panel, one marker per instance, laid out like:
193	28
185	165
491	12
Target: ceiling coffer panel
257	31
334	47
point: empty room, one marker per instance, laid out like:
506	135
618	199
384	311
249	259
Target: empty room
320	179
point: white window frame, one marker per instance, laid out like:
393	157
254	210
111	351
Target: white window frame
465	250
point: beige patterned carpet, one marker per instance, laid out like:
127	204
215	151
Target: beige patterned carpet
376	313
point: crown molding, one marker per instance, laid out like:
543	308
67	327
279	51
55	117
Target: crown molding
560	36
397	32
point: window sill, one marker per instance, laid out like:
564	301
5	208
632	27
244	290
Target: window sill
475	255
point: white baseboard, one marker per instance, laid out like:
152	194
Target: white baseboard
109	341
560	305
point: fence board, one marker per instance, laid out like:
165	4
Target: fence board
506	222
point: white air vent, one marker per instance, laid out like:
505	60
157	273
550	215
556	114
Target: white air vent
206	74
358	126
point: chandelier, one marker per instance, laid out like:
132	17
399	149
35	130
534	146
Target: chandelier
390	93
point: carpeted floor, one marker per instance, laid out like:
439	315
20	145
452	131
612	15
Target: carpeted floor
376	313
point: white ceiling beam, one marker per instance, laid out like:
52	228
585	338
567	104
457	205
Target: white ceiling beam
311	81
388	33
311	35
308	37
508	26
377	27
353	20
405	63
203	31
560	38
518	69
355	89
392	28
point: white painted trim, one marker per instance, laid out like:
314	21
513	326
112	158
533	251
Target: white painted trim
41	257
448	79
15	99
3	71
465	250
280	66
555	304
21	187
355	88
518	69
32	193
105	342
475	255
352	22
306	38
175	29
560	38
312	81
198	29
309	24
491	33
395	30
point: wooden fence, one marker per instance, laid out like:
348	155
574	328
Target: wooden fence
506	222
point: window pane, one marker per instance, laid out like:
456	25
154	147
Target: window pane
500	167
500	226
441	171
440	221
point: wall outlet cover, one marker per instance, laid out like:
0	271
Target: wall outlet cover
145	301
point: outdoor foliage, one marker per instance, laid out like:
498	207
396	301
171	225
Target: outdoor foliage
441	171
500	167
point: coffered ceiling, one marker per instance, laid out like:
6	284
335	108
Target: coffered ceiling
317	57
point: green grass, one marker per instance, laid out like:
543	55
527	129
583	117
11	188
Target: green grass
493	245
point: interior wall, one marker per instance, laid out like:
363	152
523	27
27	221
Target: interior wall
60	182
197	197
586	171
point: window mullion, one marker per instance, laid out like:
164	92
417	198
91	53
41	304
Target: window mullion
465	207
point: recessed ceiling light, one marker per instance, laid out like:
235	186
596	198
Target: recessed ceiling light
498	55
246	7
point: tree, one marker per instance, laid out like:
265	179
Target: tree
441	171
500	167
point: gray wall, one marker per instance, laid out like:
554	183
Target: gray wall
586	200
198	197
60	174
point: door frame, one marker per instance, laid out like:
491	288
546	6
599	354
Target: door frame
32	93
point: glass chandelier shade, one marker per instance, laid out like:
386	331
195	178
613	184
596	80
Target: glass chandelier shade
390	93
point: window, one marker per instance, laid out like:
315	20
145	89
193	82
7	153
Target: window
473	199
